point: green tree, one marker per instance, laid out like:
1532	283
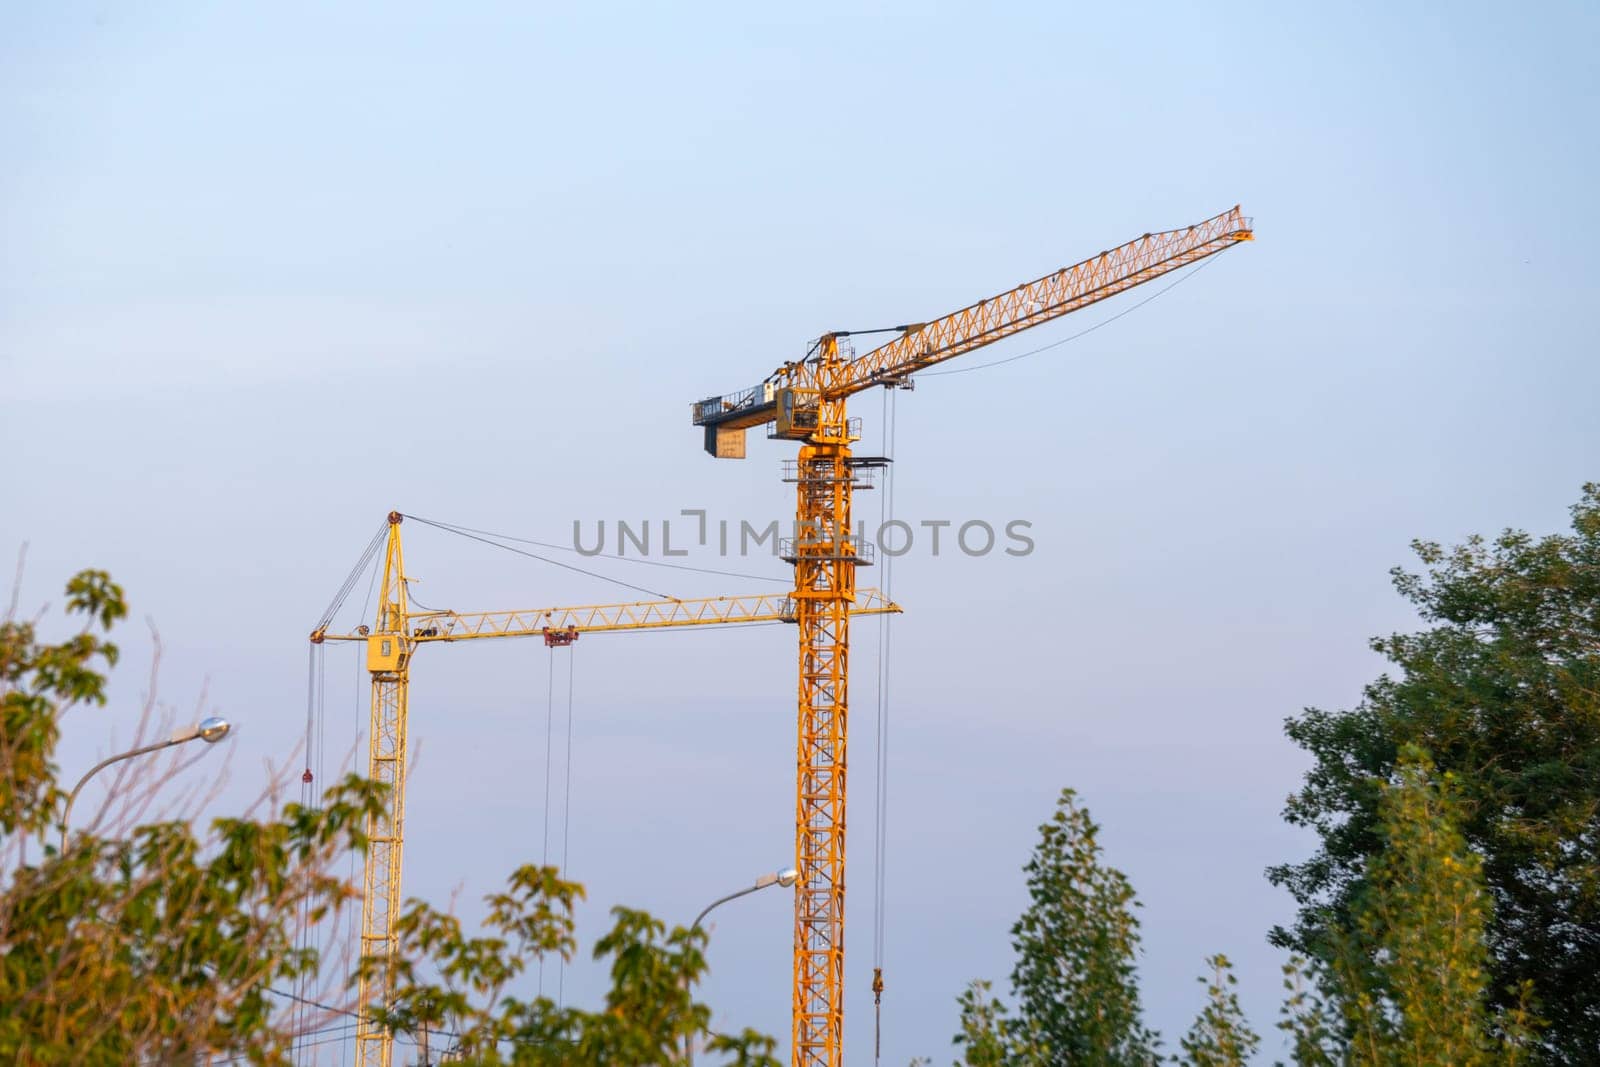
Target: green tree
39	683
988	1037
155	946
1503	690
1221	1036
648	1015
1312	1025
1412	976
1408	984
149	944
1074	979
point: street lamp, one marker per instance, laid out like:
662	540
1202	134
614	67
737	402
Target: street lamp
209	730
786	878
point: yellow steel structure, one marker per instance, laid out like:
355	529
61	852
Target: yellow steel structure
805	401
391	642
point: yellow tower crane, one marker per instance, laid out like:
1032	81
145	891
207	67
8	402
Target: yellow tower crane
391	642
805	401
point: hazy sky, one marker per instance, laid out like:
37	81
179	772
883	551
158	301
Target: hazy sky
269	271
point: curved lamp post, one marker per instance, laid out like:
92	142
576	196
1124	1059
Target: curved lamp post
208	730
786	878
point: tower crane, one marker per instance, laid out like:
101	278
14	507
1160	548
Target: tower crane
391	643
805	401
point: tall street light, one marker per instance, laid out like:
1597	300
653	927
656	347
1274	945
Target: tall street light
208	730
786	878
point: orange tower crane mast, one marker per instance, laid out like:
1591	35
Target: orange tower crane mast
397	634
805	401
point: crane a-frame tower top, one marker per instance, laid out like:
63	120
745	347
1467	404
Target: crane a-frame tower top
805	401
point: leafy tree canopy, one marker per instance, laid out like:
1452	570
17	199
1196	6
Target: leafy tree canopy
148	944
1077	948
1220	1036
1502	688
1408	983
463	986
153	946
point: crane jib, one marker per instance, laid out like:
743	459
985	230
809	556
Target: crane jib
920	345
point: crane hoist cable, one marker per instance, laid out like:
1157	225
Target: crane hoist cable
360	715
549	719
881	798
1185	276
316	708
367	556
566	813
366	562
566	800
297	1011
316	736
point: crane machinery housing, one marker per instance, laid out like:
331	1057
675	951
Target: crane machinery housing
805	401
391	643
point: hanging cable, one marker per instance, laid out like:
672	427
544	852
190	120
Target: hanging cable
353	578
322	713
297	1011
459	532
329	931
887	506
549	720
412	600
316	696
311	711
881	795
362	709
351	943
566	812
609	556
1203	264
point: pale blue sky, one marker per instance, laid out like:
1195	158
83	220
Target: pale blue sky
269	271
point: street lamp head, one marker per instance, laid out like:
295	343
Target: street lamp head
785	878
209	730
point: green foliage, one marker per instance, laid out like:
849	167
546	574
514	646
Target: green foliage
986	1033
1416	967
1411	977
1076	947
151	945
145	947
1503	690
648	1015
1074	979
1405	986
155	947
1314	1029
1220	1037
37	683
1408	984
